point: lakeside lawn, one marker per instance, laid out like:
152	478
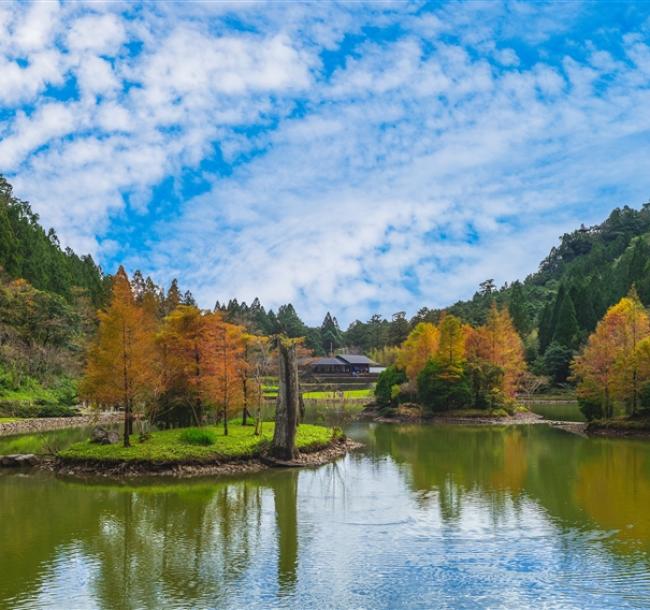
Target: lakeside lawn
170	446
334	394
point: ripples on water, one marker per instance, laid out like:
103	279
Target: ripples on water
443	517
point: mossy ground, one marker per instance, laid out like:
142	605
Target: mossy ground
168	446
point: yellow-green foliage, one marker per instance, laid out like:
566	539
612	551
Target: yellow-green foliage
168	445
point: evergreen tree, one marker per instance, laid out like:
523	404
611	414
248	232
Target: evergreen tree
289	323
398	329
173	297
584	308
518	309
566	331
331	337
188	299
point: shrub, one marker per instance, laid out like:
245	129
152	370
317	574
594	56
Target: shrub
557	362
499	413
387	379
591	408
442	389
198	436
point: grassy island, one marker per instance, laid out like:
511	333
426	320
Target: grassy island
206	444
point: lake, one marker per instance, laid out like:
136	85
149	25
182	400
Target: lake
422	517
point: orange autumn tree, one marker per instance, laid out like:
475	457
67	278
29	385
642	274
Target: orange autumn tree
615	362
121	363
202	362
227	364
183	355
499	344
420	346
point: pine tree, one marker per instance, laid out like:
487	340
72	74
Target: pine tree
566	326
398	329
173	298
331	337
518	309
545	330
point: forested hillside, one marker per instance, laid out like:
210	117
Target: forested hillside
554	309
49	296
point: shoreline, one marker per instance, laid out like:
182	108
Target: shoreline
518	419
195	468
36	425
528	417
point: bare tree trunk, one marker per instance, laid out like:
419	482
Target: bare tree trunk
288	405
244	415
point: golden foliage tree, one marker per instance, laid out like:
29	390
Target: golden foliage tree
616	359
498	343
183	356
451	342
420	346
121	365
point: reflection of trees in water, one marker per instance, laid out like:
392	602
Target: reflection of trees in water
180	547
150	546
38	519
579	481
454	461
613	487
285	494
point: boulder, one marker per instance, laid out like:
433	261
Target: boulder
102	436
20	459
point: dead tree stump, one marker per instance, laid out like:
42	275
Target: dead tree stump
288	404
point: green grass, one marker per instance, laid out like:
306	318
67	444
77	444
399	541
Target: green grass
8	420
198	436
333	395
168	445
24	396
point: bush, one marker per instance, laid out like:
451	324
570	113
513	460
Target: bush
387	379
442	389
198	436
591	409
644	396
499	413
557	362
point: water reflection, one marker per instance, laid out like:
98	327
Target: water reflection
423	517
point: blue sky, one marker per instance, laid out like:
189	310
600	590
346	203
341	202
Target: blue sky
358	158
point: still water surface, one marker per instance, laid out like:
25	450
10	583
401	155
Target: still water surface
423	517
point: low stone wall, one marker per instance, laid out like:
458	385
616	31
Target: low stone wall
45	424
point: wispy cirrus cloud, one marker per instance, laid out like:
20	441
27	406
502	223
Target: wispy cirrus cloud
356	158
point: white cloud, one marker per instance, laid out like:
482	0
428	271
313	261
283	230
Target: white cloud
101	34
351	184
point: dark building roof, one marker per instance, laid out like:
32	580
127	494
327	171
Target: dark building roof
356	359
327	362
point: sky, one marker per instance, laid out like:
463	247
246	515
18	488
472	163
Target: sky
353	157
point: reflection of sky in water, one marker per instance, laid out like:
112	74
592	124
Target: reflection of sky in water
359	533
